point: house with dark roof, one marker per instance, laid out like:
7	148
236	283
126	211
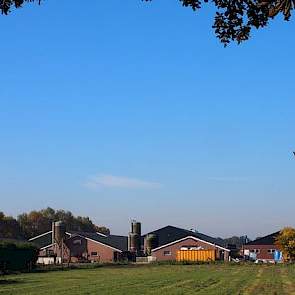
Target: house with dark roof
81	246
262	248
172	239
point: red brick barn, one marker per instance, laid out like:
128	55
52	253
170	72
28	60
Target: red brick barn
82	246
262	248
171	239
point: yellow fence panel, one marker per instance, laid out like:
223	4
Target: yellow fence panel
196	255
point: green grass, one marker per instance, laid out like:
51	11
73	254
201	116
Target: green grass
156	279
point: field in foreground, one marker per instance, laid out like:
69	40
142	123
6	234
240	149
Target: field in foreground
164	279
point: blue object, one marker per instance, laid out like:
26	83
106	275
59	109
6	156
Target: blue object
253	256
278	256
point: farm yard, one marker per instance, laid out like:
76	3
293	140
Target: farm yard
156	279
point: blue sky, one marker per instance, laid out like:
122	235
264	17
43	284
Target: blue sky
125	109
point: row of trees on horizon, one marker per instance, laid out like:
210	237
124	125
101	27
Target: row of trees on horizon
28	225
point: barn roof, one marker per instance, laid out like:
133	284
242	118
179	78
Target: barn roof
267	240
42	240
169	234
117	242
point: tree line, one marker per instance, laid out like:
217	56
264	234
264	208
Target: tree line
34	223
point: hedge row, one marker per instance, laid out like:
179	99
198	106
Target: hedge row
17	256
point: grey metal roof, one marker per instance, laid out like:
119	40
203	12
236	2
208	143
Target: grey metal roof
42	240
118	242
166	235
266	240
169	234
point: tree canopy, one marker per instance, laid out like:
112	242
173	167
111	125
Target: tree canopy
286	243
9	227
234	19
34	223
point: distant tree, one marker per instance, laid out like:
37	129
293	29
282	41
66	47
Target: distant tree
33	223
234	19
9	227
286	243
102	229
49	213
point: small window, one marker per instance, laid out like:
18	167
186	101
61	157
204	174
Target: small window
49	252
257	251
167	253
271	251
93	253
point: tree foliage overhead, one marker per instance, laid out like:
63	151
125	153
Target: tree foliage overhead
234	19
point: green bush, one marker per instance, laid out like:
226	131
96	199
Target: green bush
17	256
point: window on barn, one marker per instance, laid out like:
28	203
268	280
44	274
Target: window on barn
257	251
167	253
49	252
271	251
93	253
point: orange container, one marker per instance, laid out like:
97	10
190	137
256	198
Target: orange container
196	255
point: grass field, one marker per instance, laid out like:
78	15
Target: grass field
164	279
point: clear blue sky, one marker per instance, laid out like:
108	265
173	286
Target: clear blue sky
124	109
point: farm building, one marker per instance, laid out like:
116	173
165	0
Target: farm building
171	243
262	248
80	247
167	243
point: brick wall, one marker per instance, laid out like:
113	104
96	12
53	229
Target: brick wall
104	253
263	251
162	254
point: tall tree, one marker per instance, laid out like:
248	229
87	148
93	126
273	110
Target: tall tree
286	243
234	19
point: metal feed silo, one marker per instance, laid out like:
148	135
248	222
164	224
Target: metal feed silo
134	243
151	242
134	239
136	227
59	232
